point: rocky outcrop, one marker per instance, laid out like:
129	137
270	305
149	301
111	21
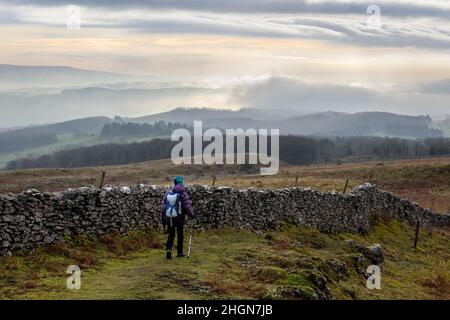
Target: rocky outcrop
36	218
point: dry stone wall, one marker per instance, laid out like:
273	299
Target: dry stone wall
34	218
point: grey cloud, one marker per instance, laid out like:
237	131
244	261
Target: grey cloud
201	26
389	35
441	87
8	17
339	31
390	8
290	93
349	29
213	25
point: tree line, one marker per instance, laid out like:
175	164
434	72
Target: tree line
17	141
293	149
399	129
120	129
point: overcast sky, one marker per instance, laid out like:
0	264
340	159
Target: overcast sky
268	52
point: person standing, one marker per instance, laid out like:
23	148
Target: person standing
175	206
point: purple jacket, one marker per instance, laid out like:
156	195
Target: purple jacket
185	202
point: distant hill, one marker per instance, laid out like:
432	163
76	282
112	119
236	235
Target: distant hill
320	124
444	125
87	131
29	138
362	124
14	76
70	103
209	114
73	126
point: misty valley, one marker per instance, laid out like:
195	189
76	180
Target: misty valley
307	139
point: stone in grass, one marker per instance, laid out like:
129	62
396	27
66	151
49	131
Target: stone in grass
338	267
373	253
320	284
358	263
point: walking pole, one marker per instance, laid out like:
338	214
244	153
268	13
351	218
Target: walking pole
190	241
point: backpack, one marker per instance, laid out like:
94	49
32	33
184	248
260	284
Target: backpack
172	207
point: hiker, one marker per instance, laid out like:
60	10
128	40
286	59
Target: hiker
175	206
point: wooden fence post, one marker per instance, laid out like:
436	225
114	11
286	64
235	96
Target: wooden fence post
416	238
214	181
102	181
296	181
346	185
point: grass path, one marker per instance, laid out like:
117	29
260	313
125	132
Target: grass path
148	274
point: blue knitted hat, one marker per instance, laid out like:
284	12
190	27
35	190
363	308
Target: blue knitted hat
178	180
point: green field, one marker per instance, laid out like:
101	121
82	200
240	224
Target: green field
70	141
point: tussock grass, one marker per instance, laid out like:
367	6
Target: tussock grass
23	273
440	284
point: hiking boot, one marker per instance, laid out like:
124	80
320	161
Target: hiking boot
181	255
168	255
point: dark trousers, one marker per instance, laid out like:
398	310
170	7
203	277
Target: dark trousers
177	226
